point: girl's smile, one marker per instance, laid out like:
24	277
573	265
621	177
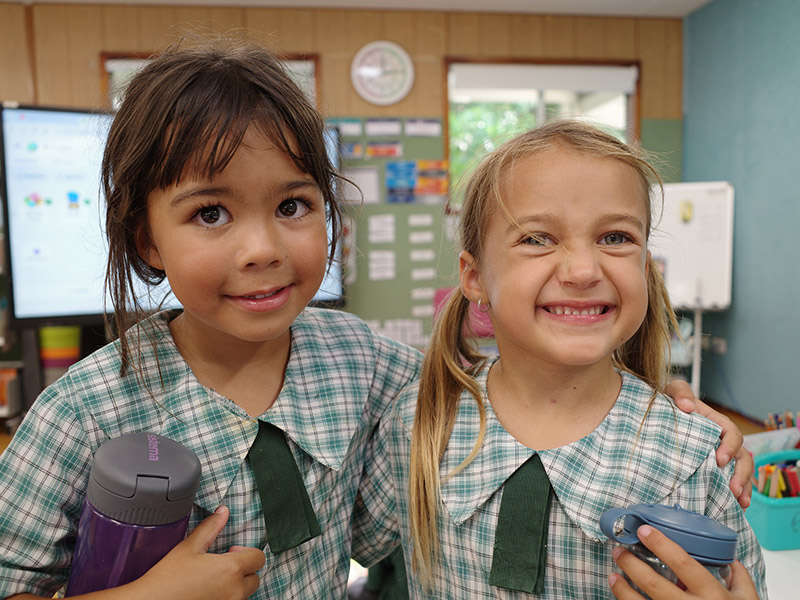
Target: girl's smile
264	301
578	311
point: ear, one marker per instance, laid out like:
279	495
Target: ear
469	278
146	249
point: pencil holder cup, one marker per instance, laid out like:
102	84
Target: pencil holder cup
775	521
710	543
141	491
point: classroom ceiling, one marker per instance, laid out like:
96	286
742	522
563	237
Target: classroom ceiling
627	8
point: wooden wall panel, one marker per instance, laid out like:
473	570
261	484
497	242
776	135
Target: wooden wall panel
211	19
559	37
660	75
86	36
16	66
463	31
619	40
363	26
52	56
67	41
158	27
589	37
122	29
400	27
282	30
673	79
330	27
494	35
527	36
431	34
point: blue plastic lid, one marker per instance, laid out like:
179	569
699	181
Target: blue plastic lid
703	538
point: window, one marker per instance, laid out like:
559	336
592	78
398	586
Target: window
491	102
119	72
120	69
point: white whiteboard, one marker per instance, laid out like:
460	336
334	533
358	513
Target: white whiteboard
693	244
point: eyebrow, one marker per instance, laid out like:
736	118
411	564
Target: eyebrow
547	218
213	190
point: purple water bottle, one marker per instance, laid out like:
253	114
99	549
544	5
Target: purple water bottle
141	491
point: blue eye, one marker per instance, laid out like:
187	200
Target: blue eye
213	216
615	238
535	239
292	209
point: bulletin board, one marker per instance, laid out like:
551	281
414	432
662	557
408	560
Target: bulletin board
399	246
693	244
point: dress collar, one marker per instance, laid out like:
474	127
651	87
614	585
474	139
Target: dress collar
590	475
315	411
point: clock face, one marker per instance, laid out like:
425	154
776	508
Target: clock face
382	73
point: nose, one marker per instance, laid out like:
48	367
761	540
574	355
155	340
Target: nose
579	268
259	245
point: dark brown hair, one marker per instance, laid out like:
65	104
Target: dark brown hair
187	111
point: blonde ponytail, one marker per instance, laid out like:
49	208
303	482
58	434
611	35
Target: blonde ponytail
448	369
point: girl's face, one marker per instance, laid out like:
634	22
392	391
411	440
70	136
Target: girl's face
244	252
567	279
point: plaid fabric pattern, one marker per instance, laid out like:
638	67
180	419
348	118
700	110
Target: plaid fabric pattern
340	378
666	458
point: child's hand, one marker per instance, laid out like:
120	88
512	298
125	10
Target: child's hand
699	583
190	572
730	444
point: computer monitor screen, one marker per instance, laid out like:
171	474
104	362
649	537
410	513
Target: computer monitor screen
331	292
54	217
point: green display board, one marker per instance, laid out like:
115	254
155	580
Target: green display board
400	248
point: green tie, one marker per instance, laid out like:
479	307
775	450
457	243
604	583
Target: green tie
520	545
288	514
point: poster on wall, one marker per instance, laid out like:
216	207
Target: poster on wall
420	181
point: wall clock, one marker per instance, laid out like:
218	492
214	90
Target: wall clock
382	73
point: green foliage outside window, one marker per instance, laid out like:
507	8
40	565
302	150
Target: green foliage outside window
477	128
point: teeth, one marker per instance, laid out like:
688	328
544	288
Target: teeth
260	296
566	310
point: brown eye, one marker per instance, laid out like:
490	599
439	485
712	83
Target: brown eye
292	209
212	216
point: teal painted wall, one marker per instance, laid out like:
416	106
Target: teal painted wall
742	124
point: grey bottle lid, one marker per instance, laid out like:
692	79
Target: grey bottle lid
143	479
703	538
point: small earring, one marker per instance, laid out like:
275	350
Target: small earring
485	308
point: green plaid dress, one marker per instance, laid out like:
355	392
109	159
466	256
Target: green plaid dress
340	378
671	461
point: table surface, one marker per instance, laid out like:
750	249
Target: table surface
782	569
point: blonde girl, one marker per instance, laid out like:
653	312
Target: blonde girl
487	455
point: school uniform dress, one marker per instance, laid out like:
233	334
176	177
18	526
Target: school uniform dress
339	380
666	458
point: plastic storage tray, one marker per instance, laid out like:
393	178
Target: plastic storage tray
775	521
